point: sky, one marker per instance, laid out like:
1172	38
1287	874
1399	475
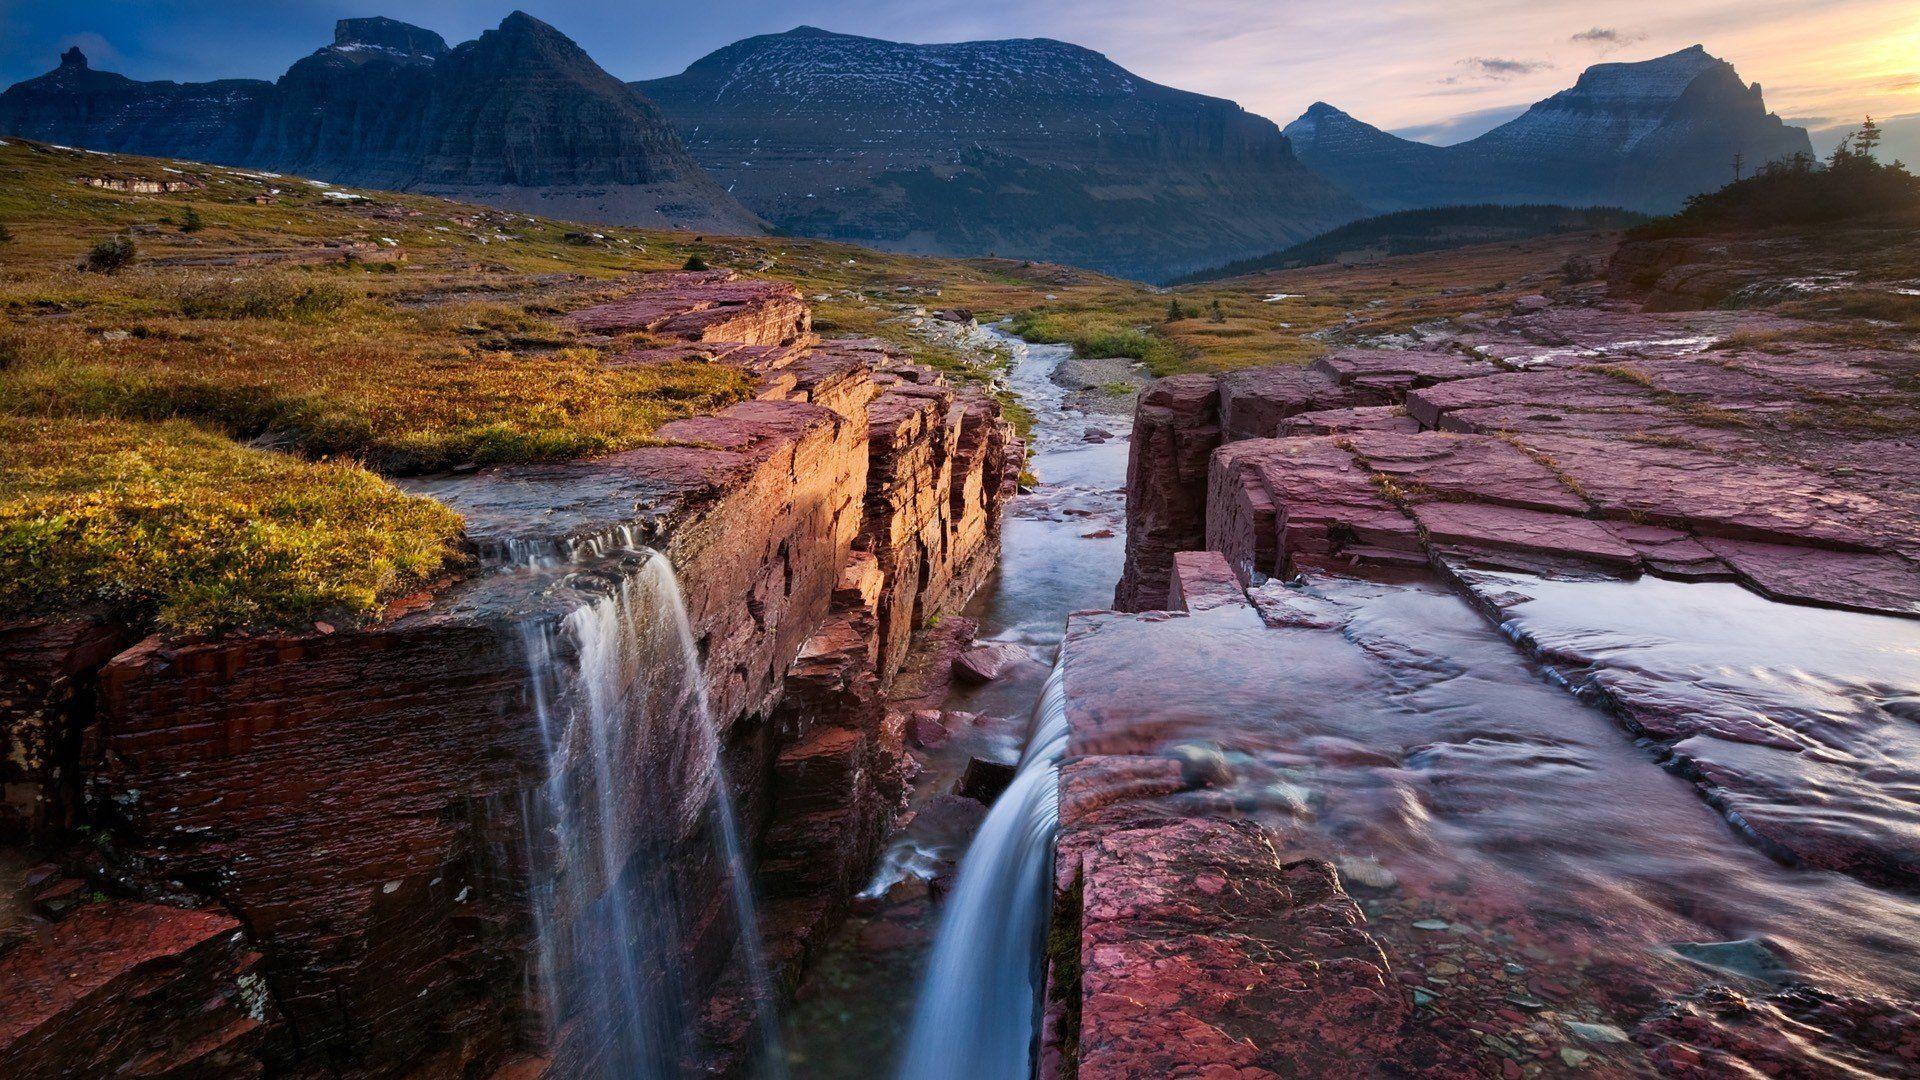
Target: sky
1438	70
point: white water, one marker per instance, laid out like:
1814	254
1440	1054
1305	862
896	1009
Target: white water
979	1007
623	714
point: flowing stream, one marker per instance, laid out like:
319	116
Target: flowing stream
623	714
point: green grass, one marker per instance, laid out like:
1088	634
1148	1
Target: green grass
176	523
1101	333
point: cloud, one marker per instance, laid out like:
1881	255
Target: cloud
1607	38
1462	127
1496	68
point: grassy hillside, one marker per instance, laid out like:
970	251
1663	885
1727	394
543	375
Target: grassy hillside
1441	228
198	425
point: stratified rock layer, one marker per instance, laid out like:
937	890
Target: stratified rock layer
356	797
1702	525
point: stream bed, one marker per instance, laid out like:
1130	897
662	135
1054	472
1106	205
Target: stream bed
1063	547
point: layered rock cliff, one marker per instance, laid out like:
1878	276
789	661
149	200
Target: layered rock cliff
1638	135
521	117
1032	148
334	838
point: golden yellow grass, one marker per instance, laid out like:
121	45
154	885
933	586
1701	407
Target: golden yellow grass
174	522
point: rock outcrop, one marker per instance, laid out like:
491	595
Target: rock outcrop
1604	439
1320	810
1033	149
114	986
1341	825
1640	135
521	118
357	801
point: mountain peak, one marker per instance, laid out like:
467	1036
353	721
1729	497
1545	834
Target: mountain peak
74	58
810	32
518	21
379	32
1320	110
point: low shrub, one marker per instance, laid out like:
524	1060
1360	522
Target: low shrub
109	255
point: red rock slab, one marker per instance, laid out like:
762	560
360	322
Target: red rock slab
1545	537
1646	333
1738	394
1204	584
1478	467
1669	552
125	989
1091	783
837	379
1338	421
1274	501
1176	428
1715	495
713	306
1578	390
1175	980
1395	371
1255	402
1814	368
579	502
1875	582
1646	424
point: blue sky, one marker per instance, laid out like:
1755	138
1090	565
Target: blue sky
1441	70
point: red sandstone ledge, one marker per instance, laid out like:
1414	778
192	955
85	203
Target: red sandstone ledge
353	795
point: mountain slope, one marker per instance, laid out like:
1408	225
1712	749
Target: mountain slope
520	118
74	105
1642	135
1029	148
1439	228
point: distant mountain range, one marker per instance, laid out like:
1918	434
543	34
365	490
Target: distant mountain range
1433	228
1642	136
1030	148
520	117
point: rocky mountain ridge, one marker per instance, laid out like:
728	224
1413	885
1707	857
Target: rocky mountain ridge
520	117
1638	135
1030	147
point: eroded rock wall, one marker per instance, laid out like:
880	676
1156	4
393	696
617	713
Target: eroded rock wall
355	800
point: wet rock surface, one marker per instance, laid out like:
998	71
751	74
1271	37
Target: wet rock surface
1576	640
1428	860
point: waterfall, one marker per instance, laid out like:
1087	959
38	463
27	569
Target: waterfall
980	1004
631	749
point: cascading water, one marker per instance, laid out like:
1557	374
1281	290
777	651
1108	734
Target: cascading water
623	713
980	1004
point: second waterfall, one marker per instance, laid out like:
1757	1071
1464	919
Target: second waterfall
979	1008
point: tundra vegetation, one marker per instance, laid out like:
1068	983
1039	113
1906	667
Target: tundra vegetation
198	429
